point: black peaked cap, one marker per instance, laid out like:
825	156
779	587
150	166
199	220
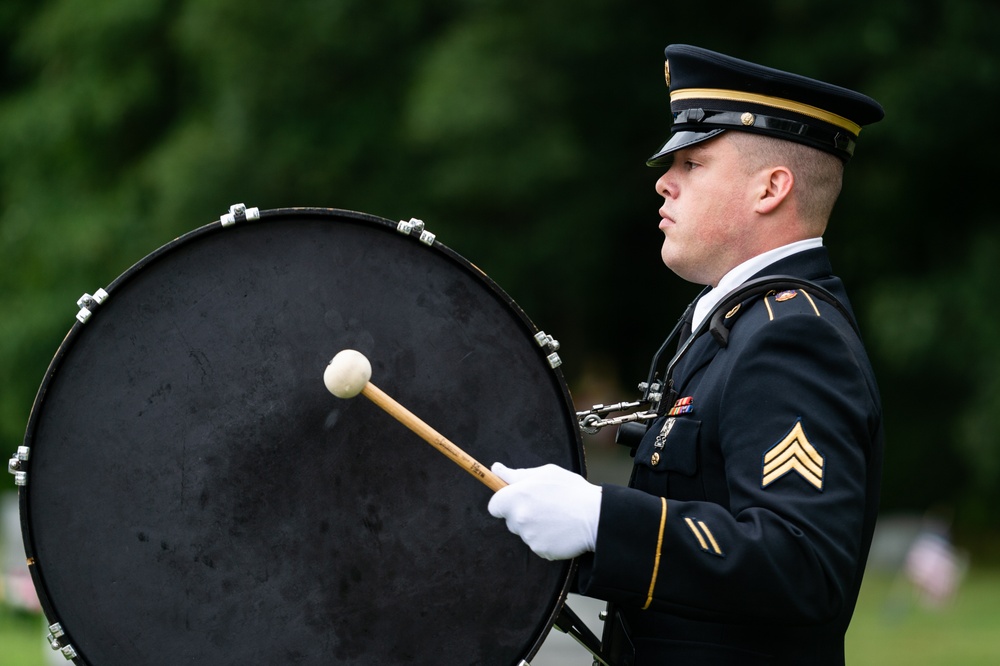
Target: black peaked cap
711	92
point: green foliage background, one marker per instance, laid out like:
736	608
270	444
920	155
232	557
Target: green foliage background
518	131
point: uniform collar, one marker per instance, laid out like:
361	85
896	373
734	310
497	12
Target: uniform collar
743	272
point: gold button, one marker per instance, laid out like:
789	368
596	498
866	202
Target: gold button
747	119
655	460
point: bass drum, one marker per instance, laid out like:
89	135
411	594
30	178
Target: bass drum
195	495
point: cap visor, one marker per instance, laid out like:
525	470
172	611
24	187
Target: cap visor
664	156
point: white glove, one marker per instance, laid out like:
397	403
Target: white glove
553	510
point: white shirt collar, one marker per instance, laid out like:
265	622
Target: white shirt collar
744	272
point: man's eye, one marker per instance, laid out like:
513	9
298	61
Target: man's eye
689	165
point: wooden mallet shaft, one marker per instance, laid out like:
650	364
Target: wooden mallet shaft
349	373
432	437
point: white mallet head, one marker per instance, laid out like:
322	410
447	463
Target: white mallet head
347	374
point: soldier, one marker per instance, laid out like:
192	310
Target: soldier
743	534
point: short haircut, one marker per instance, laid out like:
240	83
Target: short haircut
818	175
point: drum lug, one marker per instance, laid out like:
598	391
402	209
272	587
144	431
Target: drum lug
415	226
88	304
18	465
551	345
238	213
57	640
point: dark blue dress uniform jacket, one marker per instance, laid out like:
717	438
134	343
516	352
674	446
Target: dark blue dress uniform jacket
744	533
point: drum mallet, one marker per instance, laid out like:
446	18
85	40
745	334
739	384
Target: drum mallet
348	374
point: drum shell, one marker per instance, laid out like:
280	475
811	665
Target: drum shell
196	495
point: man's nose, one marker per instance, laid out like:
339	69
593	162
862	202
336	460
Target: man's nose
665	185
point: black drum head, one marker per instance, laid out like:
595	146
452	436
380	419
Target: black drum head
196	496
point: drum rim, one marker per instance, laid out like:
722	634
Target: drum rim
46	601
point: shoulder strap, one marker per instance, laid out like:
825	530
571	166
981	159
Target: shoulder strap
762	286
714	323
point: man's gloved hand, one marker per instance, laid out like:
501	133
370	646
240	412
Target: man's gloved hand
553	510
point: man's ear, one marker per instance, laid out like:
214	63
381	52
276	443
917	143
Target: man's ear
777	184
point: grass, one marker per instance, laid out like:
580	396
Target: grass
889	627
22	639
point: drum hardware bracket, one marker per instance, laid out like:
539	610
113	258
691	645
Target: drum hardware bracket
18	465
88	304
56	638
570	623
551	345
653	393
239	213
415	226
595	418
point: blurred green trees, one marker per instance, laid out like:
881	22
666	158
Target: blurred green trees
518	131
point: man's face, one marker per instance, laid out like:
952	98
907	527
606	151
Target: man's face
706	214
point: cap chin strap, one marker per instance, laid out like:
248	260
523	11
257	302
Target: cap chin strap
827	138
742	96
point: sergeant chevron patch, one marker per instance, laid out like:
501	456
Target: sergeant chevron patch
794	453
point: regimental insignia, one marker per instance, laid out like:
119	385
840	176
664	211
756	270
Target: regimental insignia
682	406
666	72
706	540
794	453
785	295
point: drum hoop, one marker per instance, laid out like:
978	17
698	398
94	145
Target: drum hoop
272	215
